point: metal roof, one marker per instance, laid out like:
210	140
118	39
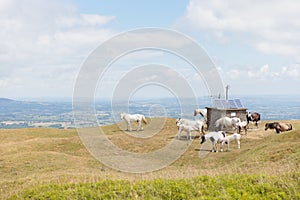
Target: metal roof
226	104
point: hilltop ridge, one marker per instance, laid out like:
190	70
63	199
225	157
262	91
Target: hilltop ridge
43	155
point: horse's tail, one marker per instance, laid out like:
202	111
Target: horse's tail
144	120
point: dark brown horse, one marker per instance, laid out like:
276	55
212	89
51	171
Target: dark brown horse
253	117
278	126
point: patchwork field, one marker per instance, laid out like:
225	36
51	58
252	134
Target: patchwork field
52	163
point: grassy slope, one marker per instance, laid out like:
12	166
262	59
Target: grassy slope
29	157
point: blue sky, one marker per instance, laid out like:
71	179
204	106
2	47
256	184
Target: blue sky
255	45
133	13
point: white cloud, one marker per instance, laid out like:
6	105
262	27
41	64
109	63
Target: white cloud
93	19
291	72
42	43
273	27
262	80
265	72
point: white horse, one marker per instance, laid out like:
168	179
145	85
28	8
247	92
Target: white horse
230	138
202	112
189	126
214	137
227	122
242	125
133	118
187	129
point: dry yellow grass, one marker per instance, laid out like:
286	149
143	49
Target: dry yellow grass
40	155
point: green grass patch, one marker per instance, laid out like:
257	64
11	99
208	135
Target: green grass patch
201	187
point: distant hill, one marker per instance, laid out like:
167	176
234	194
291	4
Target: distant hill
5	100
28	110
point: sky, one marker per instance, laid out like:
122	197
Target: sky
254	44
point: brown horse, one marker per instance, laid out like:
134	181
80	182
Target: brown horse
278	126
253	117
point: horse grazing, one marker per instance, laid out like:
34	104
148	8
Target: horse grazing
227	122
133	118
202	112
230	138
214	137
278	126
189	126
253	117
242	125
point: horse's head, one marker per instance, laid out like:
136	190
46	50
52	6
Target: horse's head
122	115
178	122
249	115
267	126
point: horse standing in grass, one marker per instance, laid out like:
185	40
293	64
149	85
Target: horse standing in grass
253	117
189	126
279	126
227	122
187	129
230	138
215	138
128	118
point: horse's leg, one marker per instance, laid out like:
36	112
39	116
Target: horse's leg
239	144
213	146
202	130
139	125
222	145
227	145
218	145
179	133
129	125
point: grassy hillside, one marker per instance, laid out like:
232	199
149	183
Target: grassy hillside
201	187
34	160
